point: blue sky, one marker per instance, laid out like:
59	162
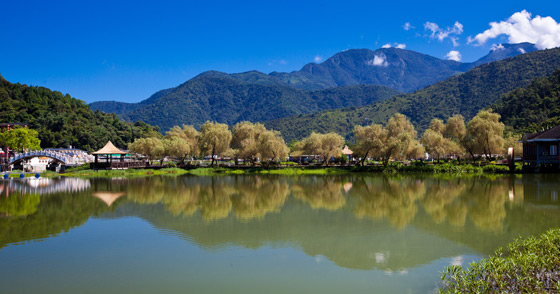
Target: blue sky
127	50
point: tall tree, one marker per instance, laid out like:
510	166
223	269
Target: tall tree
245	140
401	140
484	134
214	139
176	147
150	147
20	139
370	139
187	133
272	146
326	145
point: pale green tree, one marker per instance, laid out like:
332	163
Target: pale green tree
401	140
370	139
20	139
484	134
271	146
176	147
187	133
214	139
325	145
437	125
150	147
245	140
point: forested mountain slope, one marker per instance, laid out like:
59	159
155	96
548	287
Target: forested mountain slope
463	94
532	108
62	120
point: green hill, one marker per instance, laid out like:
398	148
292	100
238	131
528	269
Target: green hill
463	94
225	98
62	120
532	108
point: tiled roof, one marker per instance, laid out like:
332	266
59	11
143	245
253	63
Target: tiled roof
548	135
109	148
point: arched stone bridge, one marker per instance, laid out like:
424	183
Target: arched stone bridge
57	156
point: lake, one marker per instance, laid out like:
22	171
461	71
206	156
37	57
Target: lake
355	233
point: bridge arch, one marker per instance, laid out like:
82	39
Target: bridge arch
58	157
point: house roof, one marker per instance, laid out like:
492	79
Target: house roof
548	135
109	148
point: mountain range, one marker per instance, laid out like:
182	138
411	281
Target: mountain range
464	94
352	78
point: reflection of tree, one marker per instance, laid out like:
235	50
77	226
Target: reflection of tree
320	192
256	197
54	213
489	204
18	204
215	200
394	199
440	204
147	191
182	201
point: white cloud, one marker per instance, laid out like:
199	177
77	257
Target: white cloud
521	50
407	26
397	45
442	34
544	32
497	47
453	55
283	62
378	60
455	41
317	58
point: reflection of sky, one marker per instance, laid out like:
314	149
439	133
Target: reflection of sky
129	256
310	242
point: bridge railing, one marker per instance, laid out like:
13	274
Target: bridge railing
60	156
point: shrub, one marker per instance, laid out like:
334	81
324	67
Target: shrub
530	265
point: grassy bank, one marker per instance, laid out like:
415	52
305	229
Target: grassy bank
530	265
393	168
88	173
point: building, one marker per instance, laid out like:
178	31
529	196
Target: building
540	150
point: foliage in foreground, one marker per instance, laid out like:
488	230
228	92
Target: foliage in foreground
530	265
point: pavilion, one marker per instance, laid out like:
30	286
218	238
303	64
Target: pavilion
107	153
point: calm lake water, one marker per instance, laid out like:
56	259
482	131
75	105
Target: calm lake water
260	234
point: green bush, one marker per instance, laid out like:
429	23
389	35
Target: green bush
530	265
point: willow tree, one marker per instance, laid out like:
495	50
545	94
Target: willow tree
187	133
370	139
325	145
484	134
245	140
176	147
401	140
442	140
271	146
150	147
214	139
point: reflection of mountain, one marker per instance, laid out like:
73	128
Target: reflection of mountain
428	218
382	222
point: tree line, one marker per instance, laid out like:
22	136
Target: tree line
483	136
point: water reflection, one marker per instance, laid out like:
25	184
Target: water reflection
358	221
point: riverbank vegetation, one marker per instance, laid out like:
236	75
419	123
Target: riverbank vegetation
251	144
530	265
